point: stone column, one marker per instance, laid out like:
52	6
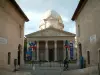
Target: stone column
55	51
64	50
68	54
46	50
27	46
37	50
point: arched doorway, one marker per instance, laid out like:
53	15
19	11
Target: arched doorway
88	57
9	58
80	49
19	52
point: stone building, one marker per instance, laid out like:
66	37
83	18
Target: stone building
12	20
50	39
87	17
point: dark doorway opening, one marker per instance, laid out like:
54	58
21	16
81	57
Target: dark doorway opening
18	57
19	52
9	58
88	56
51	55
80	49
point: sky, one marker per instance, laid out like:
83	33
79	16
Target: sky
34	9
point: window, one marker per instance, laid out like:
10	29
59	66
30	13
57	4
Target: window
9	58
88	57
78	30
80	49
20	31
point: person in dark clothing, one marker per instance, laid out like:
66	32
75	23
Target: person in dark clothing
66	63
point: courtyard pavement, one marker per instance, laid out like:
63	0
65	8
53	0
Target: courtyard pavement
47	69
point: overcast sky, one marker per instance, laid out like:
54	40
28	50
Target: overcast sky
34	9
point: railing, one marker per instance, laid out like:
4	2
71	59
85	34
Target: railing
42	63
49	64
98	68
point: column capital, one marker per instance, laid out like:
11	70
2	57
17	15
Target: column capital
46	40
64	40
55	40
37	40
28	40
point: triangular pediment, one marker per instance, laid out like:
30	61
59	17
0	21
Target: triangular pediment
50	32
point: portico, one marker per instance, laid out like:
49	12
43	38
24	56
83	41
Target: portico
50	48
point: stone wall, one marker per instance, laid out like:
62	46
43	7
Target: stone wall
89	28
10	23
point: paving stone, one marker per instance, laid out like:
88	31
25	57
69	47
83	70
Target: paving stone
48	69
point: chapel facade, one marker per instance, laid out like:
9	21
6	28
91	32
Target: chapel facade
50	39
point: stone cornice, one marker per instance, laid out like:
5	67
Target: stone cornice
49	36
40	31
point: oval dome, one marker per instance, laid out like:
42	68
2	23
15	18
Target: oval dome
51	15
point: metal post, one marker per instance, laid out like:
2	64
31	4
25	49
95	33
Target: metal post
15	64
39	63
98	69
60	63
50	63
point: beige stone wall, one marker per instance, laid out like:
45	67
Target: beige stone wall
10	20
89	22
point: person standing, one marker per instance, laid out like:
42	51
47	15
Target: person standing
66	63
81	62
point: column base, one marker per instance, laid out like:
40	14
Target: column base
46	60
37	60
55	60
